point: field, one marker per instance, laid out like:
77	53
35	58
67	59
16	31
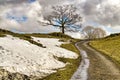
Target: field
110	46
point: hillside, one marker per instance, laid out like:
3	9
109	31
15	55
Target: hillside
34	56
110	46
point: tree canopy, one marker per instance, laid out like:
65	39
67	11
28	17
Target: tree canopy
64	17
92	33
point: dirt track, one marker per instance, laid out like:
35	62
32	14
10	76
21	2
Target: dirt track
100	68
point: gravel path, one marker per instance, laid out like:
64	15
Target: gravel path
100	68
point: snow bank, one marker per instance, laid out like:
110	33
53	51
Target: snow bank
53	46
18	55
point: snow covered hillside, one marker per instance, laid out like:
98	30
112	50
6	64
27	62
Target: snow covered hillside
17	55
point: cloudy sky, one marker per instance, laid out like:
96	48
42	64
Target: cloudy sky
22	15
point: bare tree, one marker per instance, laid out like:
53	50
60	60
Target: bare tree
99	33
93	33
65	17
88	32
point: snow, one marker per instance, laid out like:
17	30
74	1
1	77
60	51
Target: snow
82	71
17	55
53	45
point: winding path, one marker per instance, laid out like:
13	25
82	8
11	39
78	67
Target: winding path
94	65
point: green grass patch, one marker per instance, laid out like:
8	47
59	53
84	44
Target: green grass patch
110	46
28	38
70	47
2	35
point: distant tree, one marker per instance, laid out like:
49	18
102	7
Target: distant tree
65	17
93	33
88	32
99	33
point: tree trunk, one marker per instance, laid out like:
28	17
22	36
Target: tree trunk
63	30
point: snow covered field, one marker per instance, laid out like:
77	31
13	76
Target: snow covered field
17	55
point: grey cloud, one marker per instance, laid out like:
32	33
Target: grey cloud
3	2
89	7
110	15
97	11
106	15
46	3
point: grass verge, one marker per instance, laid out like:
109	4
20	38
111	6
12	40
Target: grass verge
109	46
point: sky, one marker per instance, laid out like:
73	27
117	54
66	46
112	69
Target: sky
23	15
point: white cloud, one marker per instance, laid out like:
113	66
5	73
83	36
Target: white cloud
116	29
11	16
113	2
